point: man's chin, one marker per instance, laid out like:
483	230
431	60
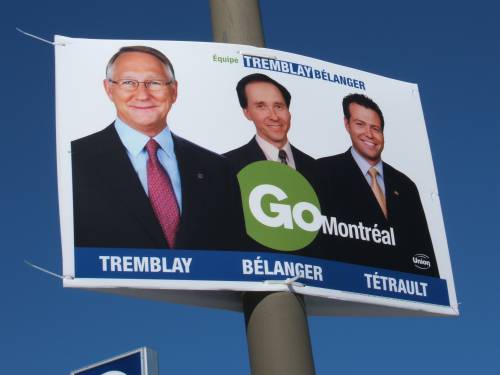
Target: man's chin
371	157
278	139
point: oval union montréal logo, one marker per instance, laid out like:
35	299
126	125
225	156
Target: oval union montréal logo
421	261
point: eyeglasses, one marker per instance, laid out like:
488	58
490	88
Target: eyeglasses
133	84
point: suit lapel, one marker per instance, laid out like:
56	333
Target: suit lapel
392	192
191	177
297	159
256	153
118	175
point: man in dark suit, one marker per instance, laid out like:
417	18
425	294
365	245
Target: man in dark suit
359	189
266	103
137	185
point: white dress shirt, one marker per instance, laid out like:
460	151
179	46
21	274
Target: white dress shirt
135	143
271	151
365	166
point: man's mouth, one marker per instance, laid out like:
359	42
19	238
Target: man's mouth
142	107
369	143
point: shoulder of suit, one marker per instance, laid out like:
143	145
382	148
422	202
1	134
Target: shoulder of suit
95	142
182	146
333	160
393	174
237	152
302	154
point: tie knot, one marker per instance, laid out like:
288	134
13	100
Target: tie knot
152	147
373	172
283	156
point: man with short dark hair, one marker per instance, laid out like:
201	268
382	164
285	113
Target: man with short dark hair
266	103
136	184
372	198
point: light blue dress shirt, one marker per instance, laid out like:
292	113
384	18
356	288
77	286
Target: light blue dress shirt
135	143
365	166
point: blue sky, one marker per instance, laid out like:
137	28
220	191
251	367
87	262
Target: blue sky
449	48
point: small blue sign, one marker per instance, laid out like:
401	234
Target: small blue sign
138	362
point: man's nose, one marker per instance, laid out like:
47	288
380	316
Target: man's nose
142	91
273	114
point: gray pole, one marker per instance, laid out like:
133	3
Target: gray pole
237	21
277	334
276	323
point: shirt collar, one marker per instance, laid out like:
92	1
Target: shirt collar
134	141
270	150
364	165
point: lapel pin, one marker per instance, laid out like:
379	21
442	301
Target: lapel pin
200	176
396	192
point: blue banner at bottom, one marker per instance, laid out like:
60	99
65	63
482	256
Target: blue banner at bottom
209	265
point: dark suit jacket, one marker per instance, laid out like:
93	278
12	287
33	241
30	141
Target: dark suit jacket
251	152
346	195
111	208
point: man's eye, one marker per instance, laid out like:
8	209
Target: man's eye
128	83
155	83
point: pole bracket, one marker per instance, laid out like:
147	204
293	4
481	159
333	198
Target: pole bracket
290	281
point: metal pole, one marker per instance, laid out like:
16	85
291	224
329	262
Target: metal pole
237	21
276	323
277	334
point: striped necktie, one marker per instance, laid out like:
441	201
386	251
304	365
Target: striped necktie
283	157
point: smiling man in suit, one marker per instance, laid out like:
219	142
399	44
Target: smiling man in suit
138	185
358	187
266	102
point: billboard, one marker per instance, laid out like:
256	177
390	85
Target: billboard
276	172
143	361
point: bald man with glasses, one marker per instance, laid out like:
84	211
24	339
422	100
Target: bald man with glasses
138	185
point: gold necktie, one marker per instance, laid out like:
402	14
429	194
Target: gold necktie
379	194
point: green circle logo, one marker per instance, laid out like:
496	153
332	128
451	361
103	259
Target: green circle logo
281	208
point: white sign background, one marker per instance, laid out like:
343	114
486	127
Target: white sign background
207	112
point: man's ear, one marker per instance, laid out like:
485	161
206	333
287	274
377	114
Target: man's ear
175	87
346	124
247	115
107	88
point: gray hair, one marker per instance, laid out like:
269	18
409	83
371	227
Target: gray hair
143	49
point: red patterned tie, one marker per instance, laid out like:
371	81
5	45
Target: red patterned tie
161	194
